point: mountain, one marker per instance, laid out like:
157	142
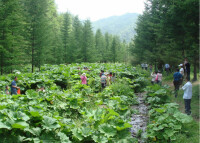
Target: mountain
123	25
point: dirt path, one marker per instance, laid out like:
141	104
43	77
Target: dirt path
139	121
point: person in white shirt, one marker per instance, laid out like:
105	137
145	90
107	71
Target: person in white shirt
187	96
181	72
153	75
181	69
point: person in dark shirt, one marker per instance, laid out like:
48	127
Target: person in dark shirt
187	68
177	79
14	87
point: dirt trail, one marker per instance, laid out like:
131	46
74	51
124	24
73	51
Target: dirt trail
139	121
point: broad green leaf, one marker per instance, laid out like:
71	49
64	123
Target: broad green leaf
35	131
22	116
4	126
63	138
50	123
86	131
183	117
77	134
108	130
100	139
20	125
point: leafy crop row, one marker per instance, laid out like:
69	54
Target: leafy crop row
68	111
166	121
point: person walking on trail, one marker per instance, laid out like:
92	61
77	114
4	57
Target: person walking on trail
14	86
187	96
103	80
187	68
167	68
83	79
177	79
153	75
7	90
159	77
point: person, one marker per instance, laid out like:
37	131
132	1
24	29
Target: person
187	96
7	90
103	80
14	86
109	77
177	79
159	77
101	73
145	66
83	79
187	68
150	68
181	69
153	75
167	68
181	72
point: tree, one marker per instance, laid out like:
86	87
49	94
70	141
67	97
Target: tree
88	43
11	39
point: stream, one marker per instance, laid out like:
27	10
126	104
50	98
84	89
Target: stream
139	121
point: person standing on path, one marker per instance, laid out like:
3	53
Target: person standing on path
14	86
187	68
187	96
83	79
177	79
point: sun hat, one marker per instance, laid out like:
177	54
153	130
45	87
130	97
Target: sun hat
180	65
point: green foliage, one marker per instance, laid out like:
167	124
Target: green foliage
163	31
71	114
166	121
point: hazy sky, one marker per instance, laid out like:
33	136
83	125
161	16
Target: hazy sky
98	9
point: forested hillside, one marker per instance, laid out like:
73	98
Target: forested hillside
123	25
33	33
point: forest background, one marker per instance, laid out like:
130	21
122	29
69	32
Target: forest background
32	32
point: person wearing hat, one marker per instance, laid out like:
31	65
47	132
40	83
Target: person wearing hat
83	79
181	69
181	72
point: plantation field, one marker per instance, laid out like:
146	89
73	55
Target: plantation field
68	111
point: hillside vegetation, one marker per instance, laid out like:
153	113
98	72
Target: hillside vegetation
123	25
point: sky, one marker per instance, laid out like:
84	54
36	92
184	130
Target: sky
99	9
